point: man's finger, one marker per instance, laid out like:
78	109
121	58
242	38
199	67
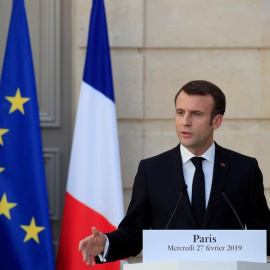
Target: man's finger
95	231
92	260
88	260
85	255
81	245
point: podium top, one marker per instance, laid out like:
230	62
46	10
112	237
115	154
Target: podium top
203	265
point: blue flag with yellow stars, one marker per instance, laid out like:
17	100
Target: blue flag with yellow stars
25	235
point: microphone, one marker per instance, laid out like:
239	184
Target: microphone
180	195
235	213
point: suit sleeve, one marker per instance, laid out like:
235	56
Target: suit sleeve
258	216
127	240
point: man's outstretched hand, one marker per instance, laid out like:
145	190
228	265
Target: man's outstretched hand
92	245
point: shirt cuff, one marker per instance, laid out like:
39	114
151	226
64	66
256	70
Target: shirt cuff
103	256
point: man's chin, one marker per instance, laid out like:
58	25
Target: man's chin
187	143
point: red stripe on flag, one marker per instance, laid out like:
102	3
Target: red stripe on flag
78	220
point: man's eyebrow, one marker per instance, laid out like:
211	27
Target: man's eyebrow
198	111
178	109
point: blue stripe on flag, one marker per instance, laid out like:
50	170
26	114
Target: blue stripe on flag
97	60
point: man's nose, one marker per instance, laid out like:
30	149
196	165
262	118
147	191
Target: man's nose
186	120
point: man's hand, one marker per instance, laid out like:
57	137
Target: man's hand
92	245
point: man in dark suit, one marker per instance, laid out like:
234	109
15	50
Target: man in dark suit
196	185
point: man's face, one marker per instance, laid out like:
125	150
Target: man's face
193	123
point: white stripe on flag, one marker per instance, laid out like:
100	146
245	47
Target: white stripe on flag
94	176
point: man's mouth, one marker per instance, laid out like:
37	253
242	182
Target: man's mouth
186	134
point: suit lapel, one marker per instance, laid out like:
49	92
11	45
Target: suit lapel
221	168
178	182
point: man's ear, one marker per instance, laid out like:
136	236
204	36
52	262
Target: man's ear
217	120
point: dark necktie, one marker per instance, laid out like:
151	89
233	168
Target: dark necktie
198	191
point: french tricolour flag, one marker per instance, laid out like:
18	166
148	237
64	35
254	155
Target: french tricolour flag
94	189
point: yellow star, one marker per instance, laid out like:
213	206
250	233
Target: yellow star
32	231
5	206
2	132
17	102
2	169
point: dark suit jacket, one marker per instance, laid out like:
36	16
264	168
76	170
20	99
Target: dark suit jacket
156	189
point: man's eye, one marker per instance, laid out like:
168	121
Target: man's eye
196	113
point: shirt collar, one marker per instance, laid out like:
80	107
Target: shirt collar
208	155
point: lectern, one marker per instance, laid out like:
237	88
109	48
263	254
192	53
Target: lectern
202	250
204	265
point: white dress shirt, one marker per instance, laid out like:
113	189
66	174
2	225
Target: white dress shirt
189	169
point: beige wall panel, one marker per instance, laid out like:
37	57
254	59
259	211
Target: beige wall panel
82	14
125	22
237	72
131	149
265	82
267	195
201	23
127	69
124	19
250	138
160	136
265	19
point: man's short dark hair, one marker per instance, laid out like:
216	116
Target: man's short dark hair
203	88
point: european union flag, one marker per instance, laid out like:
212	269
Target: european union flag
25	235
